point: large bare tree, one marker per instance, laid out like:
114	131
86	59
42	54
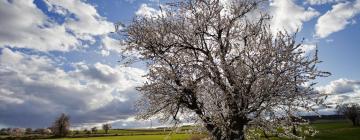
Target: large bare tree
217	61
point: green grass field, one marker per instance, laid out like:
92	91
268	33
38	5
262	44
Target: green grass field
136	137
328	130
336	130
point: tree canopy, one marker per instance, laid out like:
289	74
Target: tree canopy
217	62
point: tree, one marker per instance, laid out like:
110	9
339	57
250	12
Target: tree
28	131
4	131
86	131
94	130
61	126
218	62
106	127
76	132
17	132
350	111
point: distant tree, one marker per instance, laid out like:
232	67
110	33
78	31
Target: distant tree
17	132
86	131
76	132
4	131
350	111
43	131
61	126
28	131
106	127
218	62
94	130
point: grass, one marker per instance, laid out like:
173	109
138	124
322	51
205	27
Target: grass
136	137
336	130
328	130
135	134
333	130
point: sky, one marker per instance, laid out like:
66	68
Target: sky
61	57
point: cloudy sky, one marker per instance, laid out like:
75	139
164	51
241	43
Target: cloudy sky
60	56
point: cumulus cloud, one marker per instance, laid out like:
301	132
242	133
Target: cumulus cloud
320	2
340	86
337	18
111	44
87	21
146	11
289	16
307	48
35	90
24	25
341	91
338	92
101	72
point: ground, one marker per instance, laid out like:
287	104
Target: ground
336	130
136	137
328	130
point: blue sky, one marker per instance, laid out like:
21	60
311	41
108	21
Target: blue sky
60	56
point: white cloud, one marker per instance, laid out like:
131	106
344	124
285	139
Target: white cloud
337	18
87	21
111	44
340	86
147	11
307	48
339	92
104	52
289	16
34	85
23	25
320	2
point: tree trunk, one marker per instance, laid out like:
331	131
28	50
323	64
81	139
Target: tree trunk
237	133
214	131
353	120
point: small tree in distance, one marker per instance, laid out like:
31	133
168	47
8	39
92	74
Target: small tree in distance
61	126
351	111
94	130
28	131
218	62
106	127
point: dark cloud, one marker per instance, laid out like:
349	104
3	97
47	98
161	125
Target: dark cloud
340	86
33	91
100	72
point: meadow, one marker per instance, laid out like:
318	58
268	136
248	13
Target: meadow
336	130
328	130
136	137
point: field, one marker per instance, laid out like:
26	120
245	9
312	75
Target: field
328	130
336	130
139	134
135	137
